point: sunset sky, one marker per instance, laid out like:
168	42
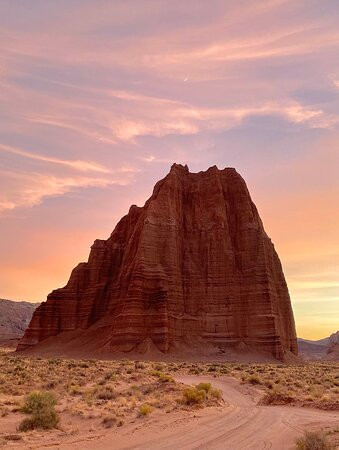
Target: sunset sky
99	98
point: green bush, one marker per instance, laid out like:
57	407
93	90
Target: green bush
40	405
37	401
313	441
194	396
145	409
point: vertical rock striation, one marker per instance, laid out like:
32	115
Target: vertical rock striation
193	267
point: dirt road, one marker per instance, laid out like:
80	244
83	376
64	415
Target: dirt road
238	425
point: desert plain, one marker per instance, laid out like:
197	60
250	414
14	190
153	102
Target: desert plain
128	404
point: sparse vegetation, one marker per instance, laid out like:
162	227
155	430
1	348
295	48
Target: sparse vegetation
215	393
194	396
40	405
114	393
201	393
254	379
314	441
105	393
311	384
162	376
204	386
145	410
109	421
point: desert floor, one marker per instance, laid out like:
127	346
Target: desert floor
145	405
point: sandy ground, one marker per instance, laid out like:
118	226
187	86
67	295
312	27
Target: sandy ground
238	425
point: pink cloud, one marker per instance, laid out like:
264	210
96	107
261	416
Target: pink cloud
98	98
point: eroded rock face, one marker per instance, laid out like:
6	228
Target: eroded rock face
193	267
15	317
333	347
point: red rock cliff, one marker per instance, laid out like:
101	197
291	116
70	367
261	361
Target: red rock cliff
193	266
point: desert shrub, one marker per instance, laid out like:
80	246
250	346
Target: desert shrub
139	365
110	376
41	407
75	390
166	378
162	376
145	409
254	379
313	441
193	396
45	419
51	384
105	393
37	401
204	387
109	421
84	365
276	398
194	370
215	393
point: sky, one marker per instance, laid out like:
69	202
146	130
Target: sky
98	99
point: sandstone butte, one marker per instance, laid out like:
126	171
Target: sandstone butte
192	270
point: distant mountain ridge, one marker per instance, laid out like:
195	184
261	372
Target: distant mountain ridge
14	319
323	341
326	348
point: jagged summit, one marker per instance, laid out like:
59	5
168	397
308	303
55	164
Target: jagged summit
191	270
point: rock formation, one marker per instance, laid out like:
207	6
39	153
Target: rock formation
14	319
324	349
191	269
333	347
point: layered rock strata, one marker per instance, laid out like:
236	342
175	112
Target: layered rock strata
193	267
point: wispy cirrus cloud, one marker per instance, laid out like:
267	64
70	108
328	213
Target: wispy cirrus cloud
96	105
84	166
34	188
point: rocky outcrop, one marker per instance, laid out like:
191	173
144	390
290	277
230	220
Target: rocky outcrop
333	347
192	269
324	349
15	317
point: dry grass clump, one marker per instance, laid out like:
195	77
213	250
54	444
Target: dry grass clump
194	396
145	409
162	376
204	387
40	405
201	393
276	397
105	393
314	441
254	379
110	420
